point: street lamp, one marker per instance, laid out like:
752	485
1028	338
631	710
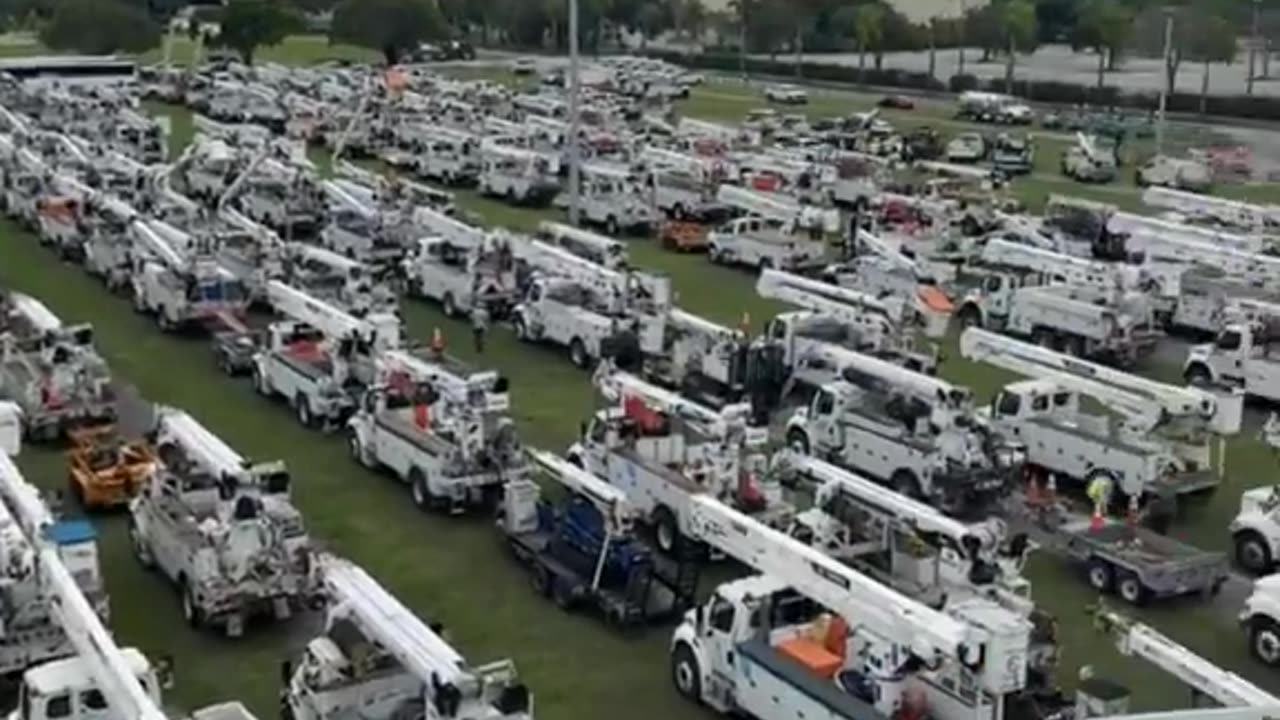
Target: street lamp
574	91
1164	85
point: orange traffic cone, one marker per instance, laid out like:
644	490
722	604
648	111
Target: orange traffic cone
1097	522
422	416
437	342
1034	498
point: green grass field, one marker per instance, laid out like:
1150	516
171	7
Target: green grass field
454	570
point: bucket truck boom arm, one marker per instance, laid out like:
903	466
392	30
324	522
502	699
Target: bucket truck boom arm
608	499
1149	399
882	249
297	305
451	229
928	634
155	243
823	298
198	443
1226	688
618	386
446	677
450	385
768	205
1075	270
93	643
885	375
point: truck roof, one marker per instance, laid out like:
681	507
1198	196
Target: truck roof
73	673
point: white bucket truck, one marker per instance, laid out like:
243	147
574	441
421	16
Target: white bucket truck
178	279
357	229
1255	530
316	356
588	245
881	270
593	311
458	266
1240	356
662	450
834	317
681	185
919	434
348	284
517	175
701	359
445	432
447	155
223	531
776	231
376	660
612	199
811	637
1154	438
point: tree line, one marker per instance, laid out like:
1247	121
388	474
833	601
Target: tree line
1204	31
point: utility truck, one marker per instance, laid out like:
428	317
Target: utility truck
224	531
834	317
879	269
1240	357
1211	210
357	230
50	371
100	681
1154	438
585	552
1255	530
317	357
776	232
443	430
517	175
446	155
593	311
348	284
919	434
702	360
611	198
32	633
177	279
460	266
376	660
811	637
682	185
661	449
588	245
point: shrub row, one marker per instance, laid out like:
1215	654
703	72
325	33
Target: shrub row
1255	107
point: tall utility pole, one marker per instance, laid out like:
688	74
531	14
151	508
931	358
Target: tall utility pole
1255	42
574	91
963	38
1164	84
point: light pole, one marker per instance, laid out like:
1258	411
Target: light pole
960	70
1254	43
574	88
1164	86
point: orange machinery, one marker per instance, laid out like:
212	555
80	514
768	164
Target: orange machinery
106	470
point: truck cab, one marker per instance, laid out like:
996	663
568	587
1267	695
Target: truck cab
65	689
1255	530
1240	356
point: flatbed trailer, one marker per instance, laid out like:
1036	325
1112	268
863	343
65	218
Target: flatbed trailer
1139	564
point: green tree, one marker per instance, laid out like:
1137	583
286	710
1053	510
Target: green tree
389	26
1018	27
982	27
247	25
868	33
653	19
1106	27
99	27
1214	41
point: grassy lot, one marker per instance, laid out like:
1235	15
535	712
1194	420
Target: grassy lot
454	570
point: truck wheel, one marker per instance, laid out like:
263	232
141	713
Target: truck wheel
1132	590
139	303
540	580
685	673
190	610
1043	338
1264	641
798	441
1197	376
302	407
666	531
611	226
1100	576
358	452
1252	552
677	211
140	549
904	482
450	307
260	382
162	320
521	331
578	354
419	491
970	316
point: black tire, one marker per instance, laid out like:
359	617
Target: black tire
1252	552
1264	641
419	491
140	549
358	452
190	610
260	383
904	482
1101	576
578	354
685	673
560	595
302	408
666	532
521	331
970	316
540	580
1197	376
797	440
1131	590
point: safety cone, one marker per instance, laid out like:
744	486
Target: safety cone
437	342
1131	515
1034	498
1097	522
422	416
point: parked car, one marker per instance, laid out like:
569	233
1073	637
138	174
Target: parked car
1178	173
967	148
897	102
786	94
524	66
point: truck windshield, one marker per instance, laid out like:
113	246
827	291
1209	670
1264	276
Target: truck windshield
1229	340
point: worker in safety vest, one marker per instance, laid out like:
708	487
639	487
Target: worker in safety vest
1099	492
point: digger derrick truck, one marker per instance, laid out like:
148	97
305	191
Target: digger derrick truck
223	530
661	449
376	660
447	434
51	371
919	434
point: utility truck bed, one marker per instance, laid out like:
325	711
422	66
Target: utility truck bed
828	701
1139	564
